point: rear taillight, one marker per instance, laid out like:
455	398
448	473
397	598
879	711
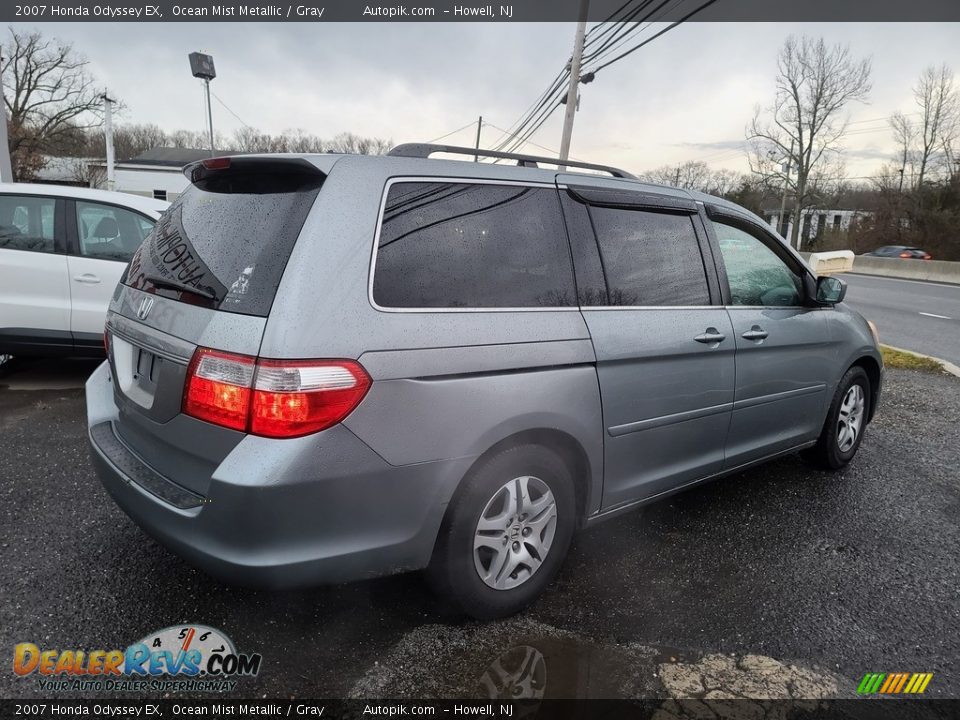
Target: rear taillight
272	398
905	255
218	388
106	342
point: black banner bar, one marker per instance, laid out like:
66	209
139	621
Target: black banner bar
474	11
853	709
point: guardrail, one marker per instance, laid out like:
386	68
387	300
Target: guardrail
930	270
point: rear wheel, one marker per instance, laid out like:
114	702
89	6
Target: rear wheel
846	422
506	533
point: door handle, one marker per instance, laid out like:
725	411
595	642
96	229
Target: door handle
712	335
88	278
755	333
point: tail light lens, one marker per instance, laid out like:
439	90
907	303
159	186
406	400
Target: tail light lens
106	342
292	398
272	398
218	388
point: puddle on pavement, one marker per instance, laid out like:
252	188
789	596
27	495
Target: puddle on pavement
520	659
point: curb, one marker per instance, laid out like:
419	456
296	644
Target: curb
948	367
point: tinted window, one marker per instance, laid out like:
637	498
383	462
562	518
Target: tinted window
226	240
450	245
26	223
110	233
650	258
757	276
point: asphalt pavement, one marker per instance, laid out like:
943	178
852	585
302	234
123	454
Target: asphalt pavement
913	315
775	582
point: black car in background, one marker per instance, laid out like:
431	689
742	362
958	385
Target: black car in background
901	251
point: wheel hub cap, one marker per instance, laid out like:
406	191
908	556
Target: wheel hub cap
850	420
514	532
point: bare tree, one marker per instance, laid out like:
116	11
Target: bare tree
357	145
48	95
806	123
88	173
695	175
905	135
939	123
689	175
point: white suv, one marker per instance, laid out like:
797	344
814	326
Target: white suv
62	252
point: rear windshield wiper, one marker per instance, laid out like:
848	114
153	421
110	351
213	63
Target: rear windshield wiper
182	287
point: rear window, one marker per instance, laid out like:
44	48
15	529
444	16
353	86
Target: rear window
461	245
225	242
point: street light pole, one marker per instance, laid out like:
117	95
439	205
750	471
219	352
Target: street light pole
108	137
575	61
201	65
206	86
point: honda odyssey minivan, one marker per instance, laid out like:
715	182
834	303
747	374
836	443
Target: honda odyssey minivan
324	368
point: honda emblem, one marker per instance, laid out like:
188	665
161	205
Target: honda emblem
143	309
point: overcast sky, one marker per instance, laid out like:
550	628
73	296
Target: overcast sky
687	95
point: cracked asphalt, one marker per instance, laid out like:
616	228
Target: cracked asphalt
778	582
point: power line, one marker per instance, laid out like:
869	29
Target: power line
227	107
452	132
654	37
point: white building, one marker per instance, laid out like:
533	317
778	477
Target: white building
156	173
814	222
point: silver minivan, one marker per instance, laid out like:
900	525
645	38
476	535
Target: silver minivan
324	368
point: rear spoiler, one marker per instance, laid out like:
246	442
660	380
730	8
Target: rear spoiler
262	164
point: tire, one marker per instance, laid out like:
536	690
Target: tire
834	448
502	567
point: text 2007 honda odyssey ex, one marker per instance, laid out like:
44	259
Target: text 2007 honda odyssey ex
324	368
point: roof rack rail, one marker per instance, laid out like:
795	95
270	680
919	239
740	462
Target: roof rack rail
425	150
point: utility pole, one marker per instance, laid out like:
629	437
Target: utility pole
575	61
6	171
108	133
783	199
476	158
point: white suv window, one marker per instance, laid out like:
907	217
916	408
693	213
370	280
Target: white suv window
108	232
26	223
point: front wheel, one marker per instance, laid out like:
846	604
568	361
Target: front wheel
506	533
846	422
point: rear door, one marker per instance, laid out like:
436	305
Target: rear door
665	351
34	293
784	358
101	240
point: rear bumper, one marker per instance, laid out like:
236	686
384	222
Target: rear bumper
281	513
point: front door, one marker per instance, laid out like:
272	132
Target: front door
783	350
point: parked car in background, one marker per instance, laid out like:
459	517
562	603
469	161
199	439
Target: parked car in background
901	251
62	252
330	367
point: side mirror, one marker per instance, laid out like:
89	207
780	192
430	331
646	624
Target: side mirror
830	290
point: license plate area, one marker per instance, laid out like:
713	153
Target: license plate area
137	370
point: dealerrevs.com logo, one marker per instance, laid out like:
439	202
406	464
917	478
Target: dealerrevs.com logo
187	658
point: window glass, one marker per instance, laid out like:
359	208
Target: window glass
457	245
757	276
650	258
225	242
110	233
26	223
